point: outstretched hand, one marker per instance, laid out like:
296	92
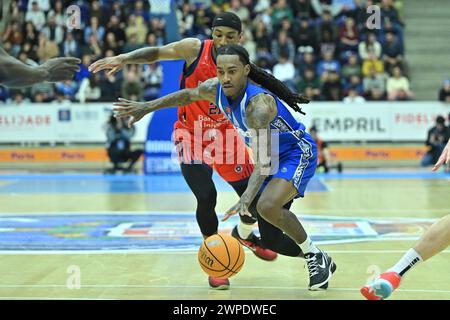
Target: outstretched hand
444	158
61	68
113	64
241	207
133	109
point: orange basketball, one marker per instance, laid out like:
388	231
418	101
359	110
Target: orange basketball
221	256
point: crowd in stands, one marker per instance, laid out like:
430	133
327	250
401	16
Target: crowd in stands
322	48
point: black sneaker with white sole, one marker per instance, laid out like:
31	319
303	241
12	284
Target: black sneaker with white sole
321	267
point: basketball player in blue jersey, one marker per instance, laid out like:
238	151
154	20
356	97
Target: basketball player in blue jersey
253	109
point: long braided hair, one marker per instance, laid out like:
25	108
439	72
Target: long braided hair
265	79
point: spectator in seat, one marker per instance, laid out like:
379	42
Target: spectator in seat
284	70
328	63
36	16
392	52
301	8
331	89
305	35
444	93
352	67
374	80
281	10
398	86
113	26
132	85
89	90
353	96
283	44
261	34
349	35
47	49
70	46
309	79
312	94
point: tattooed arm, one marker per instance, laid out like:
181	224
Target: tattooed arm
186	49
260	112
137	110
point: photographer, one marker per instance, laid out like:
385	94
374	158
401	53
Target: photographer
436	140
119	145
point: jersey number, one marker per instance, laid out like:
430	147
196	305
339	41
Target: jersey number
213	109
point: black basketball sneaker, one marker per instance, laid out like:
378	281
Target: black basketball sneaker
321	267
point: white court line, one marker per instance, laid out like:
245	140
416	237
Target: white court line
127	286
52	298
168	252
191	212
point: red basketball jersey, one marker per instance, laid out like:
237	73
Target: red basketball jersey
203	113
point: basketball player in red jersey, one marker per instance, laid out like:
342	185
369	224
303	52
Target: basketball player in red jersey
200	65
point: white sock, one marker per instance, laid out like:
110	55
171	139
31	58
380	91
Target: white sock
308	246
409	260
244	230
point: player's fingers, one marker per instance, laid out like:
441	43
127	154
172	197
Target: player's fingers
131	122
95	65
122	105
229	213
71	60
73	67
438	163
113	70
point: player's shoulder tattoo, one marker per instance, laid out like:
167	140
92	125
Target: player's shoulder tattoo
261	110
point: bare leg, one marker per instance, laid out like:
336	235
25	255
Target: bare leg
435	240
270	207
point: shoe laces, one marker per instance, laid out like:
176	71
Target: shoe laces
313	266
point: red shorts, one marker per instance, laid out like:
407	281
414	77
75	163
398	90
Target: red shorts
223	149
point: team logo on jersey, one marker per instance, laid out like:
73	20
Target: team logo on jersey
238	169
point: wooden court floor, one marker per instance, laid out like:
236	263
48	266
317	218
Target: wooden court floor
166	274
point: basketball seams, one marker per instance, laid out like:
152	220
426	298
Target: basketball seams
227	271
225	268
237	260
228	252
206	246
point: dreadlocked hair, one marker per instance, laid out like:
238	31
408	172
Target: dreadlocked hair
265	79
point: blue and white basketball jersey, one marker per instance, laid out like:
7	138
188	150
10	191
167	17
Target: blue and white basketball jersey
296	150
289	130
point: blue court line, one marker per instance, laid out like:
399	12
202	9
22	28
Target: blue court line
159	183
98	183
330	175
